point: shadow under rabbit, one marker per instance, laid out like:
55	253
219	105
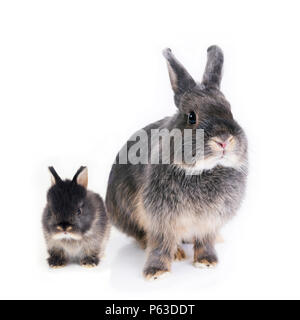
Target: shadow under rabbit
127	266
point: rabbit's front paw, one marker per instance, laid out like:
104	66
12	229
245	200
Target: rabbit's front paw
89	262
206	262
205	255
154	273
57	262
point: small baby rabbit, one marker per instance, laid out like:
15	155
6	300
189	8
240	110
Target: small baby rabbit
162	205
75	222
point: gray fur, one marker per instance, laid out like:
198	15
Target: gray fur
89	229
213	71
160	205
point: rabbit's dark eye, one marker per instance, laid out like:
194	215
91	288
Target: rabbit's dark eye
192	117
79	211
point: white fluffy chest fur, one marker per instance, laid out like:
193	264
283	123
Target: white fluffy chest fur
72	248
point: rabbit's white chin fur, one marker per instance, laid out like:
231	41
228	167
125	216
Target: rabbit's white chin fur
230	160
66	236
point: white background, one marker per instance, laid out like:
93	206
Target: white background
77	78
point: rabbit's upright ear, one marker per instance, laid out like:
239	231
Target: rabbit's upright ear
213	71
55	178
181	80
81	177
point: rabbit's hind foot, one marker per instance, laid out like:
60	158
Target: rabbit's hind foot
180	254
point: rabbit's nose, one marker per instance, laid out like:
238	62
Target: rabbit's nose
223	144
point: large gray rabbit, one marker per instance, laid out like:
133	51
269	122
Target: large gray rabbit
162	205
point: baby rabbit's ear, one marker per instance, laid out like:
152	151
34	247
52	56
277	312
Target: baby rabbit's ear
213	71
181	80
81	177
55	178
